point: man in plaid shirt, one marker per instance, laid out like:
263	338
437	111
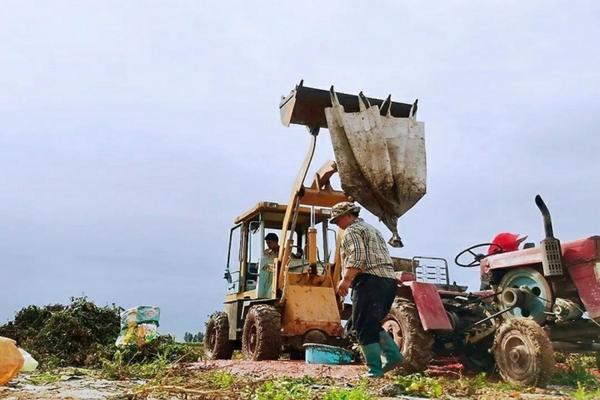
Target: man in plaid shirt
369	271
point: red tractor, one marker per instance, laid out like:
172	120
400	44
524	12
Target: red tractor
535	301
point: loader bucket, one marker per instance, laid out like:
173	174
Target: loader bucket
379	148
306	106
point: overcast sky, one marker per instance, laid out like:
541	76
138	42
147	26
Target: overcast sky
132	133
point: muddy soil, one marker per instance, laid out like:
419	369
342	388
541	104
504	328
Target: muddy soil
281	368
69	387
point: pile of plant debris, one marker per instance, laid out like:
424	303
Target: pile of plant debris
77	334
82	334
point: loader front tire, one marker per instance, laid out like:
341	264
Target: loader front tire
416	345
261	338
217	343
523	353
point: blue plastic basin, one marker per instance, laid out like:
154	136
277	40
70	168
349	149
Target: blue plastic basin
316	353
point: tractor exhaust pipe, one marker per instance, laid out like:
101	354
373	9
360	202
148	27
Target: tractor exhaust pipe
546	215
550	246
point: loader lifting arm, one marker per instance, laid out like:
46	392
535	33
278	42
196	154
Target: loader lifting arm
291	213
320	193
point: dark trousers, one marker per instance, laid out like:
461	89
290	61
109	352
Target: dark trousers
372	298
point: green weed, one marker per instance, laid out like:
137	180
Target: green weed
583	394
149	370
480	380
43	378
577	374
419	385
152	361
357	393
222	379
282	390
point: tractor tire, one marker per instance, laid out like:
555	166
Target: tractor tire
261	338
523	353
217	345
416	345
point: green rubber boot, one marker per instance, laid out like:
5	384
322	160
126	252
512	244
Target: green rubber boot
391	352
372	355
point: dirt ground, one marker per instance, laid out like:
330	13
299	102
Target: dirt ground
193	381
69	387
281	368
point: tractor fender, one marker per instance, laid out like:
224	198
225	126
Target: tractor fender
429	305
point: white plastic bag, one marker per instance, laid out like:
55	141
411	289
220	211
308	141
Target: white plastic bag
30	363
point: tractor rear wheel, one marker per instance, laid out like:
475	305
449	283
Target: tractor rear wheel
416	345
216	338
523	353
261	338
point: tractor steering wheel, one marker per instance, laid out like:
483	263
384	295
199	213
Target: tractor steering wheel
477	257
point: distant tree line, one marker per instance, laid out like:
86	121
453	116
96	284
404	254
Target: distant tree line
189	337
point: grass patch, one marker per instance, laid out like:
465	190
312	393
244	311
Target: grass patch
43	378
577	373
357	393
283	390
582	393
222	379
418	385
151	361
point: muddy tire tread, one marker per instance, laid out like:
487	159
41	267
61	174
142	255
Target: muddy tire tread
417	347
268	330
544	353
223	348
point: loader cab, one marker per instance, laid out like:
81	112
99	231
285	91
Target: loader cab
251	270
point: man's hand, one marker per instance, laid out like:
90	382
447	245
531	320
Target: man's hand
346	281
342	287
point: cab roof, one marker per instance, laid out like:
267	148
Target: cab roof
273	214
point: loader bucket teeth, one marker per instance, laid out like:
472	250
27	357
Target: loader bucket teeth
306	106
363	102
386	106
334	99
413	108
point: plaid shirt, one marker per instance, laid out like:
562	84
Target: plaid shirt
364	248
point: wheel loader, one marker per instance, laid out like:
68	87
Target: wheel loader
276	304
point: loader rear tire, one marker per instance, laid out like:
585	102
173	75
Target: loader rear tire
261	338
416	345
523	353
217	343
